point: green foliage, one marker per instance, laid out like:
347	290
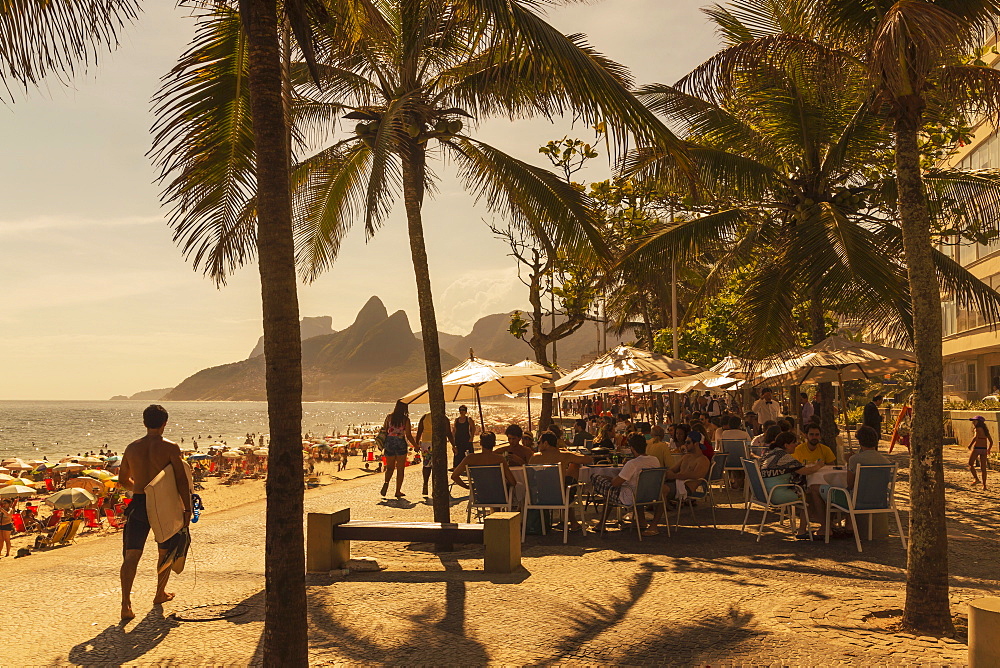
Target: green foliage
518	325
707	337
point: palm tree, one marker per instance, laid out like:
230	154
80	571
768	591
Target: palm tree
414	74
904	62
42	38
240	155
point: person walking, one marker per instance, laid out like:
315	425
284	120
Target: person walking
142	461
6	525
398	432
425	437
979	449
464	430
872	416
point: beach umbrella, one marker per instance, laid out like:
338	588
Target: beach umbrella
16	491
113	459
36	462
98	474
17	465
232	454
198	456
262	452
89	460
68	466
704	381
71	497
24	482
625	365
4	476
92	485
476	378
836	359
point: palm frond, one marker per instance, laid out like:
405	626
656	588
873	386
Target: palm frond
530	197
203	142
329	194
41	38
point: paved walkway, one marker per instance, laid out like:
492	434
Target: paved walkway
702	596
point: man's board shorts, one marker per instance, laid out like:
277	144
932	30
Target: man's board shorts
425	453
137	526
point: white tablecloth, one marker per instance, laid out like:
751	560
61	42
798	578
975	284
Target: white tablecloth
828	475
587	471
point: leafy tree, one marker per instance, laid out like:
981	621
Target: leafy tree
836	202
223	133
415	74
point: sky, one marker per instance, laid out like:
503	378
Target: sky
95	298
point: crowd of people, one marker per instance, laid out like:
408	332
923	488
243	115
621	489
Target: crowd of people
787	449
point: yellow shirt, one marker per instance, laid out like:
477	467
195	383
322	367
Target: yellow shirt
662	452
806	456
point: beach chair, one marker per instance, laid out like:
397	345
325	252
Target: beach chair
54	536
487	490
49	485
18	522
113	520
648	492
702	492
71	534
758	495
53	520
874	493
92	518
547	491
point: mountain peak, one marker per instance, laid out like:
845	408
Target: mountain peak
372	313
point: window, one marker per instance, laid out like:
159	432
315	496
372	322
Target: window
970	377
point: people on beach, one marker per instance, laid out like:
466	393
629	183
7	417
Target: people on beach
464	430
6	524
979	449
516	453
142	461
398	432
425	437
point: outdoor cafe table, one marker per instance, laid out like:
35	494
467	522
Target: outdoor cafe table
587	472
828	475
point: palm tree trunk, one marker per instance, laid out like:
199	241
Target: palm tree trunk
824	391
927	608
285	641
414	165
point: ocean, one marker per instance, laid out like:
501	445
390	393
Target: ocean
55	429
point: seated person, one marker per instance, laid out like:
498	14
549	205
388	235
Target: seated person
867	455
732	432
549	453
516	453
690	467
814	450
698	439
488	457
580	433
557	430
759	440
779	467
679	437
528	441
658	448
621	488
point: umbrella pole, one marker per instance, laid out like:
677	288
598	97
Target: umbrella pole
843	409
529	408
479	404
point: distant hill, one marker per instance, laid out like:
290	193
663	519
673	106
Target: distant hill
375	359
309	327
145	395
490	339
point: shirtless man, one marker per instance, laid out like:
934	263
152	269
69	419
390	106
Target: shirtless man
517	454
141	462
550	453
485	458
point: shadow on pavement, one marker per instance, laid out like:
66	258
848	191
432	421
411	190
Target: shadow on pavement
115	646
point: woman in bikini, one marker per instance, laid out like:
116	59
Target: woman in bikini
398	432
6	525
979	448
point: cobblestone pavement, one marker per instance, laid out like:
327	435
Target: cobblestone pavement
701	597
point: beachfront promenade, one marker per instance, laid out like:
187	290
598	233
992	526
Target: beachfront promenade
701	596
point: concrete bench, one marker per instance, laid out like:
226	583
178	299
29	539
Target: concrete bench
329	536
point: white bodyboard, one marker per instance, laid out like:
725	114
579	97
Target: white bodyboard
164	507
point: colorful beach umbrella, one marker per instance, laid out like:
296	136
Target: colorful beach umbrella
98	474
72	497
19	481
